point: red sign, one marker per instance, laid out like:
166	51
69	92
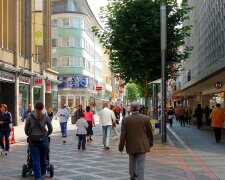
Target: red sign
38	81
98	88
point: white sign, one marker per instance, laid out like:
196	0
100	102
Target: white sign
6	76
24	80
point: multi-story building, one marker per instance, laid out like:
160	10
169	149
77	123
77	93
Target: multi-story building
203	75
26	75
77	55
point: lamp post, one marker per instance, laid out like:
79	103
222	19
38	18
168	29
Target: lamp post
163	67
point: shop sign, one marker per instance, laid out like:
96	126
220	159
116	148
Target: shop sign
48	87
24	80
218	85
98	88
6	76
79	82
38	81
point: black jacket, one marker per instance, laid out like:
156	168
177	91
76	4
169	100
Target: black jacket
7	120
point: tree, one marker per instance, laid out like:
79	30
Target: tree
132	35
132	92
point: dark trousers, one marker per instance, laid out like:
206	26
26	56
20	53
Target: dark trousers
217	133
189	120
171	122
81	141
199	122
5	134
182	120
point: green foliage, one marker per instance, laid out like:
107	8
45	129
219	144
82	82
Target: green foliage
132	34
132	92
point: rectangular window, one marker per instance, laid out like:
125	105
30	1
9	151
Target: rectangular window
84	63
54	42
76	23
65	22
65	42
54	23
54	62
77	42
65	61
77	62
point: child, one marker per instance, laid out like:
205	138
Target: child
81	131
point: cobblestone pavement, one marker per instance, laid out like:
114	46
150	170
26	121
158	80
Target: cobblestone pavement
181	158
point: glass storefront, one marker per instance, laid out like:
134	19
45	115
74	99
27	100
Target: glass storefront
23	98
37	94
217	98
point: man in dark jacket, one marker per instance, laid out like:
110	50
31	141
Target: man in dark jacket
136	133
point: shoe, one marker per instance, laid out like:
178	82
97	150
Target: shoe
107	148
44	176
83	149
87	140
78	147
3	151
6	152
90	139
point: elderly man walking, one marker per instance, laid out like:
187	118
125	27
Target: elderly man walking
136	133
106	116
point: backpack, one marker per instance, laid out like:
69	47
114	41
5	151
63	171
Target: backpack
37	133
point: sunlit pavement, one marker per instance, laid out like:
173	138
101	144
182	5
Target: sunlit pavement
188	154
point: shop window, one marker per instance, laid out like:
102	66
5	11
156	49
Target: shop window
37	94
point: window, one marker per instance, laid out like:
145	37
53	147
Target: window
65	42
77	42
54	23
76	23
54	42
65	61
54	62
65	22
77	62
84	64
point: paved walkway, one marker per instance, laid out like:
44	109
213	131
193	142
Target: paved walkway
189	154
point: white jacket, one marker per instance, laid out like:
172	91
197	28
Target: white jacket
106	116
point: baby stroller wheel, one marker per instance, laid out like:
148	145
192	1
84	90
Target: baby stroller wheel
51	170
24	170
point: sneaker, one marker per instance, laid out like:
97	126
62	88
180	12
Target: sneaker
6	152
90	139
107	148
3	151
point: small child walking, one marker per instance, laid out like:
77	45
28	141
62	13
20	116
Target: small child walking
81	131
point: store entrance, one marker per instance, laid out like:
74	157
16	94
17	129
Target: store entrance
7	91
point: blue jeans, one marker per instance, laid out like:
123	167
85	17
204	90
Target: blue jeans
137	166
106	130
5	134
38	154
63	126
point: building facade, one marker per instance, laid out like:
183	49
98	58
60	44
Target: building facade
78	56
203	75
26	75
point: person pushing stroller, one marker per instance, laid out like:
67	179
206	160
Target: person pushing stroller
38	139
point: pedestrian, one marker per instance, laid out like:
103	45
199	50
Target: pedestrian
176	112
78	112
27	112
189	114
89	117
50	113
170	114
218	118
116	133
198	115
5	121
117	112
138	143
128	110
63	115
82	125
38	139
207	114
181	115
106	116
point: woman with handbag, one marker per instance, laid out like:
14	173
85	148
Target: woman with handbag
38	139
5	121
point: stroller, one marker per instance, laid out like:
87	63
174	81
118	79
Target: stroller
28	168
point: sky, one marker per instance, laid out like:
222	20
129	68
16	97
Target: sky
96	4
